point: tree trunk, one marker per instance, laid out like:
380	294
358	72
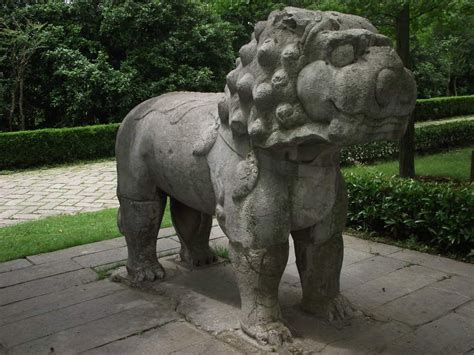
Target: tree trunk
407	142
12	105
20	105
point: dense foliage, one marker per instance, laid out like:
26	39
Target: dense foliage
80	62
91	61
438	215
428	139
441	107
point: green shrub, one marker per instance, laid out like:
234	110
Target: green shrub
428	139
442	107
52	146
439	215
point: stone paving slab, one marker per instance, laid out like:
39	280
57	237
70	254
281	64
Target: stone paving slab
69	253
392	285
31	195
435	262
37	272
53	302
422	306
14	265
176	337
49	302
451	334
99	332
44	286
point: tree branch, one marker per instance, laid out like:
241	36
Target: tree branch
434	7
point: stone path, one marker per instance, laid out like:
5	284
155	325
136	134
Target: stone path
35	194
413	303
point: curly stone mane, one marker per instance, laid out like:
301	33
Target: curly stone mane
260	95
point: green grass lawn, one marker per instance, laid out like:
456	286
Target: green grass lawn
60	232
455	164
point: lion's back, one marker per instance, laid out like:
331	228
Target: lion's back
163	136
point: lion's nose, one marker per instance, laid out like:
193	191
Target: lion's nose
387	86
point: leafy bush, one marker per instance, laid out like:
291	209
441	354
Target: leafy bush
428	139
439	215
50	146
442	107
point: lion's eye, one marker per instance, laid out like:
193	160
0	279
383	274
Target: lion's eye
342	55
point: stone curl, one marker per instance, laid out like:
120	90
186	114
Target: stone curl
261	91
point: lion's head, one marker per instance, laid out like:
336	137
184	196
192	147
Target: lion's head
317	77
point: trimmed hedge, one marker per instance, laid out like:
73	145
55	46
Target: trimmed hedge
442	107
60	145
52	146
428	139
438	215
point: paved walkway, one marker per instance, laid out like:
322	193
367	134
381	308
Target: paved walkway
413	303
30	195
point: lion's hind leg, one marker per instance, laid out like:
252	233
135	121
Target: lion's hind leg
193	229
142	205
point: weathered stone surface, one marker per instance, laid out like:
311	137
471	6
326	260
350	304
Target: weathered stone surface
467	310
166	232
102	257
209	297
46	285
77	251
36	272
14	265
57	300
393	285
352	256
98	332
210	305
263	157
177	337
369	269
370	340
457	284
369	246
422	306
436	262
55	321
166	246
451	334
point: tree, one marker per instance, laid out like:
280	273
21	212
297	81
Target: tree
99	58
19	41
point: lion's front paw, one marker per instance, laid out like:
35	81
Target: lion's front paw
332	309
274	333
142	273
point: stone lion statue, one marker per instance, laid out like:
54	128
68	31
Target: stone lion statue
263	157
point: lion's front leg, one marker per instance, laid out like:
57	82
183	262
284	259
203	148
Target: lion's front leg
256	219
319	254
258	273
